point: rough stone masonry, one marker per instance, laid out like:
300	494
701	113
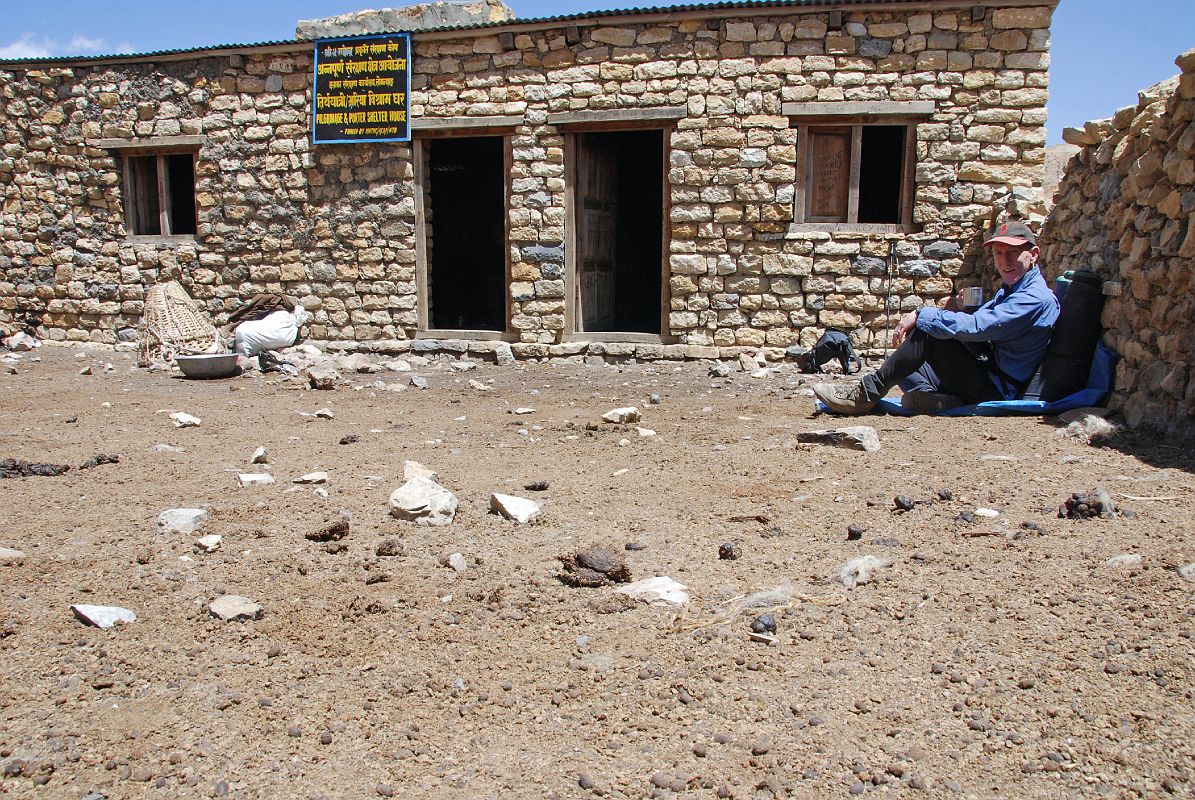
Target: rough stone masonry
337	227
1126	209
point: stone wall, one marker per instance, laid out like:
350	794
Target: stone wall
335	224
1126	208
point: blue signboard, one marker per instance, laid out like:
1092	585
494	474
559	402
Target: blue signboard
362	89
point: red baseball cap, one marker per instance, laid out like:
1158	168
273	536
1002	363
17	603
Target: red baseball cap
1014	233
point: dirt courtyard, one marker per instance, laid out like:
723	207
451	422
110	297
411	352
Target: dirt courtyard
995	657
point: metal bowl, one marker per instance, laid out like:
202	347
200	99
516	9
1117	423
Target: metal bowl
208	365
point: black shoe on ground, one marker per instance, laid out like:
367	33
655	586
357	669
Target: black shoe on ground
929	402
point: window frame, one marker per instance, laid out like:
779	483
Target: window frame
854	116
159	148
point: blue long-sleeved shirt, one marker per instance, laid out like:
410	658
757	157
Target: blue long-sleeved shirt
1018	322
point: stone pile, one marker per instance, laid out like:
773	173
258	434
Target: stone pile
1126	209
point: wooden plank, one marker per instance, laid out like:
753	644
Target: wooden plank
852	213
665	235
907	173
163	196
177	143
422	286
859	108
572	286
508	166
800	211
623	115
453	123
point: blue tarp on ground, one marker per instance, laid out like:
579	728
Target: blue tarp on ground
1099	383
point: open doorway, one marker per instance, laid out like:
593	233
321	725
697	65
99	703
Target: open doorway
619	225
465	211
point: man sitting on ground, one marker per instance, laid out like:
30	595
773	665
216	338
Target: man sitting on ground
946	358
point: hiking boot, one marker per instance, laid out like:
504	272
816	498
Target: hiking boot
929	402
844	398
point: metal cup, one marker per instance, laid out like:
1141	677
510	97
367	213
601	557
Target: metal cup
972	297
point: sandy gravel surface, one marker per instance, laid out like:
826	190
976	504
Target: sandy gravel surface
997	658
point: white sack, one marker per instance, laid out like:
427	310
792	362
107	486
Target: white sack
277	330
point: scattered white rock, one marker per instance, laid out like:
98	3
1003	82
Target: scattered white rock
523	410
256	479
855	437
182	520
357	362
623	442
260	456
413	469
1124	560
659	590
85	371
20	342
234	607
645	433
463	366
184	420
325	413
424	501
720	370
418	381
103	616
1187	572
860	570
749	363
168	448
519	509
618	472
208	544
10	556
479	386
989	513
312	477
398	366
622	415
322	376
457	562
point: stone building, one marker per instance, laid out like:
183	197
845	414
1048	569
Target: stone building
649	183
1126	209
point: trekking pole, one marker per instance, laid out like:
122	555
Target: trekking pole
888	296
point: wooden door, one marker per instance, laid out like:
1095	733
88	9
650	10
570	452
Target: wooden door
596	246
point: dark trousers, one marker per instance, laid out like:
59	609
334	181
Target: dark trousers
925	364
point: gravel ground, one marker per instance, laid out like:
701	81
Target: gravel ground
994	656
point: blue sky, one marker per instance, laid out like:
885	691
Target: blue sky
1104	50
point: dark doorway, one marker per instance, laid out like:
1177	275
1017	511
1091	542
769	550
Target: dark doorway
619	218
880	173
465	210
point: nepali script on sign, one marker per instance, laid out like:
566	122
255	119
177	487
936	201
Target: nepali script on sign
362	89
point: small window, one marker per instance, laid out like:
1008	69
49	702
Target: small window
855	175
160	194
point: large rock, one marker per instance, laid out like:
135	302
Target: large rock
423	501
103	616
10	556
322	376
519	509
855	437
182	520
234	607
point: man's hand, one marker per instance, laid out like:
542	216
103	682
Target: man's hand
904	328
